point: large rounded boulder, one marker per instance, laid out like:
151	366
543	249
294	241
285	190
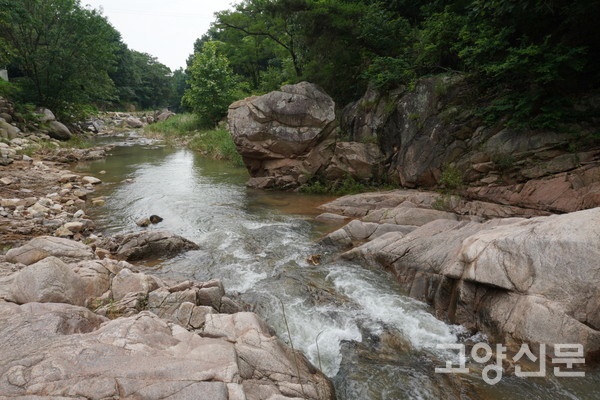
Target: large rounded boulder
285	136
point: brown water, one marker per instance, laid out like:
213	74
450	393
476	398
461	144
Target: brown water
355	323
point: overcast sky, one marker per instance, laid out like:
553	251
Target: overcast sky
165	29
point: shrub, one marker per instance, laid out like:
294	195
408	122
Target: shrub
451	178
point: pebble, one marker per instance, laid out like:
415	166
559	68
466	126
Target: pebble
79	214
74	226
90	180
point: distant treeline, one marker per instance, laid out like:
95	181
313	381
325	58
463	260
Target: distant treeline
67	57
529	60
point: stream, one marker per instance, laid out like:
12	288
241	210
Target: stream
353	323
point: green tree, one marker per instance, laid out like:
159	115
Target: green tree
178	88
272	20
212	85
153	81
527	58
62	51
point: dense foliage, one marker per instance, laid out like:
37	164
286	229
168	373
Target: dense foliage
212	84
530	57
64	56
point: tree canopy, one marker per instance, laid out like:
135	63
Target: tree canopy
533	55
212	84
529	59
62	55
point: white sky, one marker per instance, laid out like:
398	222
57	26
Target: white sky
165	29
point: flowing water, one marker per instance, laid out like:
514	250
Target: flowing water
352	322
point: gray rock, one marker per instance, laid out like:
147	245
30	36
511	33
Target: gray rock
91	180
48	281
284	136
134	122
407	215
63	350
163	115
9	130
127	281
44	246
150	245
361	204
59	131
45	115
533	280
7	117
361	161
331	217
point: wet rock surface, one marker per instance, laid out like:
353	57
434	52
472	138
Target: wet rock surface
519	280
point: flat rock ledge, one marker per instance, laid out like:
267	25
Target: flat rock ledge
532	280
76	326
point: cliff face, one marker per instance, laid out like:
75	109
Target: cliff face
427	137
430	137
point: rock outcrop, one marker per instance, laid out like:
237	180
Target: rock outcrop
432	132
516	279
137	336
360	161
427	137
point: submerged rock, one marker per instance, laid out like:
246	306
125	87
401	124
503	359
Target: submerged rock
144	222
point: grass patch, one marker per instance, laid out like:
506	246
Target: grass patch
77	142
189	130
41	147
177	125
451	178
216	144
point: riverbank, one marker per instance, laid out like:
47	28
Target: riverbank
187	130
514	274
41	196
81	321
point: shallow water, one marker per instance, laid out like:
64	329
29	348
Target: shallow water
353	323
